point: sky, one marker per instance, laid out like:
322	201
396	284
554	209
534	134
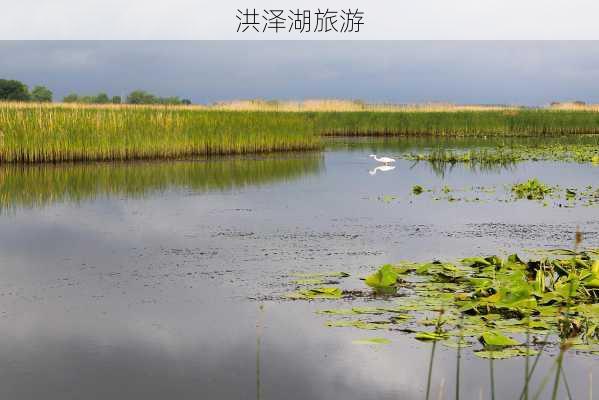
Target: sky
465	72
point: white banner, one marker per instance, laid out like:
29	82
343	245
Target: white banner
300	19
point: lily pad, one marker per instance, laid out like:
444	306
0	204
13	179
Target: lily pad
318	293
384	279
430	336
369	325
505	353
497	339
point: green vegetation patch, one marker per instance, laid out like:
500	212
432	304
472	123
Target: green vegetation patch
38	133
417	189
532	189
324	292
508	155
500	306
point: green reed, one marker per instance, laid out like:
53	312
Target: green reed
525	122
37	133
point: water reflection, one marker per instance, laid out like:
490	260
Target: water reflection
415	148
152	297
39	185
443	168
382	168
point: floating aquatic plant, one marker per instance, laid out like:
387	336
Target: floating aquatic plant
417	189
387	198
532	189
318	293
384	280
503	156
426	336
497	339
505	353
360	324
491	300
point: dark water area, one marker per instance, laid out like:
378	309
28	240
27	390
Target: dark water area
156	280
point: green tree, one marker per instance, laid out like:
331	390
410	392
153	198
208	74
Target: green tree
187	102
101	98
41	94
169	100
116	100
12	90
141	97
71	98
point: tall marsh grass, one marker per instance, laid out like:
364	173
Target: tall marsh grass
537	122
40	133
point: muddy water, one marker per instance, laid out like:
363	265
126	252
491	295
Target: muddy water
163	280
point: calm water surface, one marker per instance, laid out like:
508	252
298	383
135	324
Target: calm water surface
146	280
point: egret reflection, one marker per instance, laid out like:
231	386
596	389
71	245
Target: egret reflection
382	168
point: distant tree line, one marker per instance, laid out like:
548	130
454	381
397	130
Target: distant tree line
100	98
13	90
135	97
143	97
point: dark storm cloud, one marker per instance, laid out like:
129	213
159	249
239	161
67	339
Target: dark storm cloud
381	71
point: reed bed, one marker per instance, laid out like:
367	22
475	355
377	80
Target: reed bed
538	122
52	133
340	105
39	134
319	105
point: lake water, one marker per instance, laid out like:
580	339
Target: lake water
156	280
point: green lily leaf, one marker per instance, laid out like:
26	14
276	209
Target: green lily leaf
318	293
384	279
505	353
475	262
360	324
428	336
497	339
514	259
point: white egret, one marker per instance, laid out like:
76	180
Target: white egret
382	168
385	160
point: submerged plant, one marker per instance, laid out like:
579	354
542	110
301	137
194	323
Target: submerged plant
417	189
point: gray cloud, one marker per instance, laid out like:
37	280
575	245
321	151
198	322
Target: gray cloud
382	71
